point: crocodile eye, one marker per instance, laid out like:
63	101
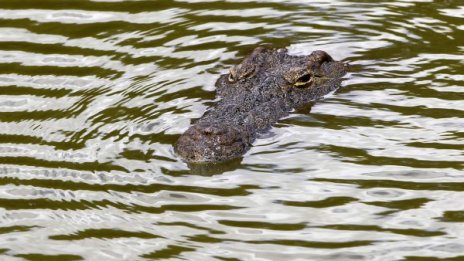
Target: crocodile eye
232	75
231	78
240	72
304	80
247	71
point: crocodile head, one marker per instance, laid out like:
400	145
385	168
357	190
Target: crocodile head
256	93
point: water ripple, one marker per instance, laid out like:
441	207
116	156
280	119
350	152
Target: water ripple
93	95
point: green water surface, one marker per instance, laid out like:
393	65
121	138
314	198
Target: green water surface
93	95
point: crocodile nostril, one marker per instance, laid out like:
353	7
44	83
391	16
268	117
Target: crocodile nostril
212	130
209	130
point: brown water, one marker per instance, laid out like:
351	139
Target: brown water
93	95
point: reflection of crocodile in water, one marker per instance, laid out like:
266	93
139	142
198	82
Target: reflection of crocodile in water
263	88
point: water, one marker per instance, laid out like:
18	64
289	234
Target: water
93	95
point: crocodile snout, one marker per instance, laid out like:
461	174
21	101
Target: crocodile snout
207	143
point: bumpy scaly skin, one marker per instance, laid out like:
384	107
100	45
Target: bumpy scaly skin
263	88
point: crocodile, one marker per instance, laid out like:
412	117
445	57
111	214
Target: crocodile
265	87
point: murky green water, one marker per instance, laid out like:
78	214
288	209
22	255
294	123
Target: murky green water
93	95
